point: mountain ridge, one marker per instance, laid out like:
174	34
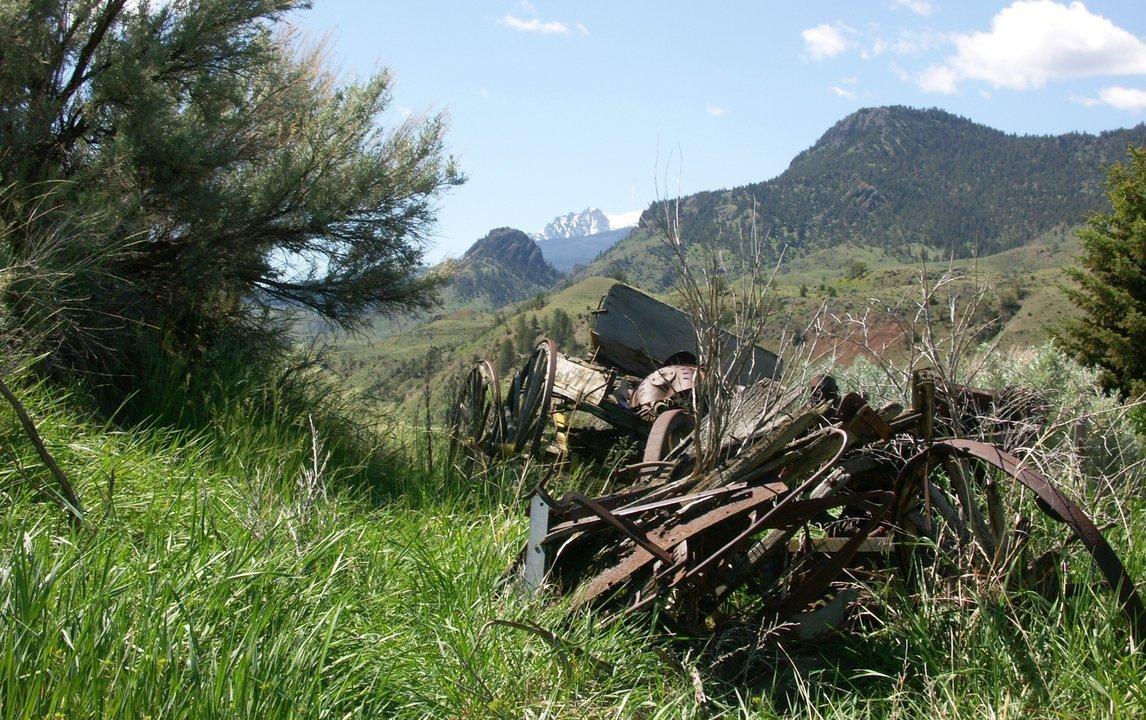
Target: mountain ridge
897	178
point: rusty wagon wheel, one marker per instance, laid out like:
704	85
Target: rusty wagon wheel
477	416
967	509
531	397
670	429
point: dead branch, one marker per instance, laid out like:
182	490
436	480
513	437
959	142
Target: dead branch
66	497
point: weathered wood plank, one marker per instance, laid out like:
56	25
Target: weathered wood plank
638	333
580	382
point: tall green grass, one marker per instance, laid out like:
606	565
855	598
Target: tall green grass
254	563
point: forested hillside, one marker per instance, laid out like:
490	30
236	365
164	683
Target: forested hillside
896	178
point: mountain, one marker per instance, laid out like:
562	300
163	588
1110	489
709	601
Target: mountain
898	178
589	221
568	253
503	267
577	238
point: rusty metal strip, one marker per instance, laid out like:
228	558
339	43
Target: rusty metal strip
622	525
1056	505
671	537
588	524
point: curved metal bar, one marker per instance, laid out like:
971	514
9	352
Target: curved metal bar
811	586
1056	505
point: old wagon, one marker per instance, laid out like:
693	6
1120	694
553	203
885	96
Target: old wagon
642	363
810	487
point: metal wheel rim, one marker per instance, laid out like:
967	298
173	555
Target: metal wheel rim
532	396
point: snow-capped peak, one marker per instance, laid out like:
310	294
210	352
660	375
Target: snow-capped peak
589	221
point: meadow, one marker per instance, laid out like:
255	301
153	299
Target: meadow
251	557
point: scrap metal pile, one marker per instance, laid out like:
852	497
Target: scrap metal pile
811	489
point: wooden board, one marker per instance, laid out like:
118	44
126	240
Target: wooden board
581	382
638	333
578	385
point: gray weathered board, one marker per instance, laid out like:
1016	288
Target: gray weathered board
638	333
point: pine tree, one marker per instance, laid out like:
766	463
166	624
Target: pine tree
191	169
1111	283
505	357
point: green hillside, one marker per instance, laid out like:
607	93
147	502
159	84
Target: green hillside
1024	298
394	370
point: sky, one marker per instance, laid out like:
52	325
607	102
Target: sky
557	106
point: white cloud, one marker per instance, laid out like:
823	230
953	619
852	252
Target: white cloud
623	220
483	93
824	41
534	25
850	80
938	79
1116	96
715	111
582	30
919	7
1032	42
1083	100
841	92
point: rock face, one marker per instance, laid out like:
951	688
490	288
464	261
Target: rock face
503	267
516	252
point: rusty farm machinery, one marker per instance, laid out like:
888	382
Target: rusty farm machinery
811	488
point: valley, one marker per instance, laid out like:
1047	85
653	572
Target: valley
839	227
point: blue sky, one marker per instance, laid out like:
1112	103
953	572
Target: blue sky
556	106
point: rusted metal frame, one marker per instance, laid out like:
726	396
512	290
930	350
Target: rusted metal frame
864	425
763	521
810	587
786	521
621	524
588	524
671	537
1057	506
761	550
